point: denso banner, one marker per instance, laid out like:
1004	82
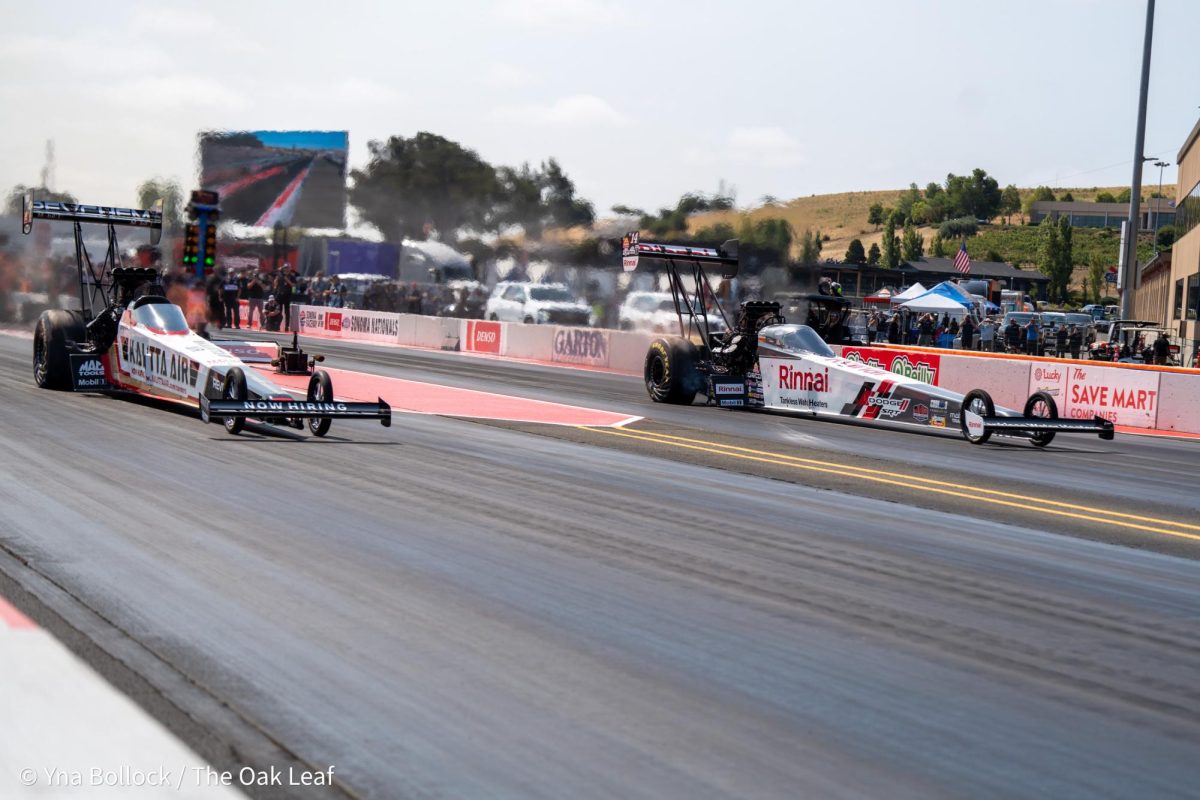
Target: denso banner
1084	390
484	337
349	323
922	366
581	346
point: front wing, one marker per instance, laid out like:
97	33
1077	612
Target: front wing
294	409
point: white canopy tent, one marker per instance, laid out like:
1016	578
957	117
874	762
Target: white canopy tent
916	290
937	304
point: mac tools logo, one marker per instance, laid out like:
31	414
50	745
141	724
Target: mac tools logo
87	373
91	369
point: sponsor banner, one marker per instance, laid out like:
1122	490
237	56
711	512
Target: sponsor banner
1122	396
348	323
145	361
581	346
809	385
925	367
1051	379
87	373
1083	390
486	337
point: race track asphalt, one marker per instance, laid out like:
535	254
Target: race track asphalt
451	609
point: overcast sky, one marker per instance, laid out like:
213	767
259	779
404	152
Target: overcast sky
639	102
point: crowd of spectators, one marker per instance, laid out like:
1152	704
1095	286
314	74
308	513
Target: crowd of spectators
900	326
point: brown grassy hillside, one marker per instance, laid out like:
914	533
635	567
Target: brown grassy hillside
844	216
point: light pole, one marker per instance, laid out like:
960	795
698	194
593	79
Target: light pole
1160	165
1128	272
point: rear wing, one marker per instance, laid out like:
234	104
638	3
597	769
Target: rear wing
633	250
32	209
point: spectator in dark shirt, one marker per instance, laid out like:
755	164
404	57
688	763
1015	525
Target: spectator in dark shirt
254	298
272	314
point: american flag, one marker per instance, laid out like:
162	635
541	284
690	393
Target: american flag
962	260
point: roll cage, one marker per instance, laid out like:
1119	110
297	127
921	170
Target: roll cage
732	351
107	288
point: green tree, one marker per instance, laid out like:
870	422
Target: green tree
921	212
907	200
976	195
855	253
627	211
912	245
891	244
1050	257
1124	195
958	228
1068	198
562	208
1010	201
810	248
1164	239
409	183
154	189
937	247
772	236
873	254
875	215
13	204
1105	197
1038	195
1095	277
519	200
670	222
1066	258
537	199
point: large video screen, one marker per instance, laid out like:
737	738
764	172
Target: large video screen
295	178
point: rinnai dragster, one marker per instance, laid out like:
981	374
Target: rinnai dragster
763	362
127	337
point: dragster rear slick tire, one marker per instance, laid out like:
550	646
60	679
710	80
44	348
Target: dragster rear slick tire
1041	405
234	389
51	355
984	407
320	390
670	371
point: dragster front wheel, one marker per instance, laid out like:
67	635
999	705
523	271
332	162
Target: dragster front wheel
1041	405
234	389
979	403
320	390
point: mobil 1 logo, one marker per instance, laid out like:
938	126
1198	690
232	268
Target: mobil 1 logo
728	391
87	373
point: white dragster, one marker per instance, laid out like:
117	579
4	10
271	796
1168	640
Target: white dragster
765	363
139	342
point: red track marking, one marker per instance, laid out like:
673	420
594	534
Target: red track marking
14	619
429	398
281	200
1156	432
242	183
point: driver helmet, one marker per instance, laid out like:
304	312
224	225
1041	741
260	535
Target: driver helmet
835	289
